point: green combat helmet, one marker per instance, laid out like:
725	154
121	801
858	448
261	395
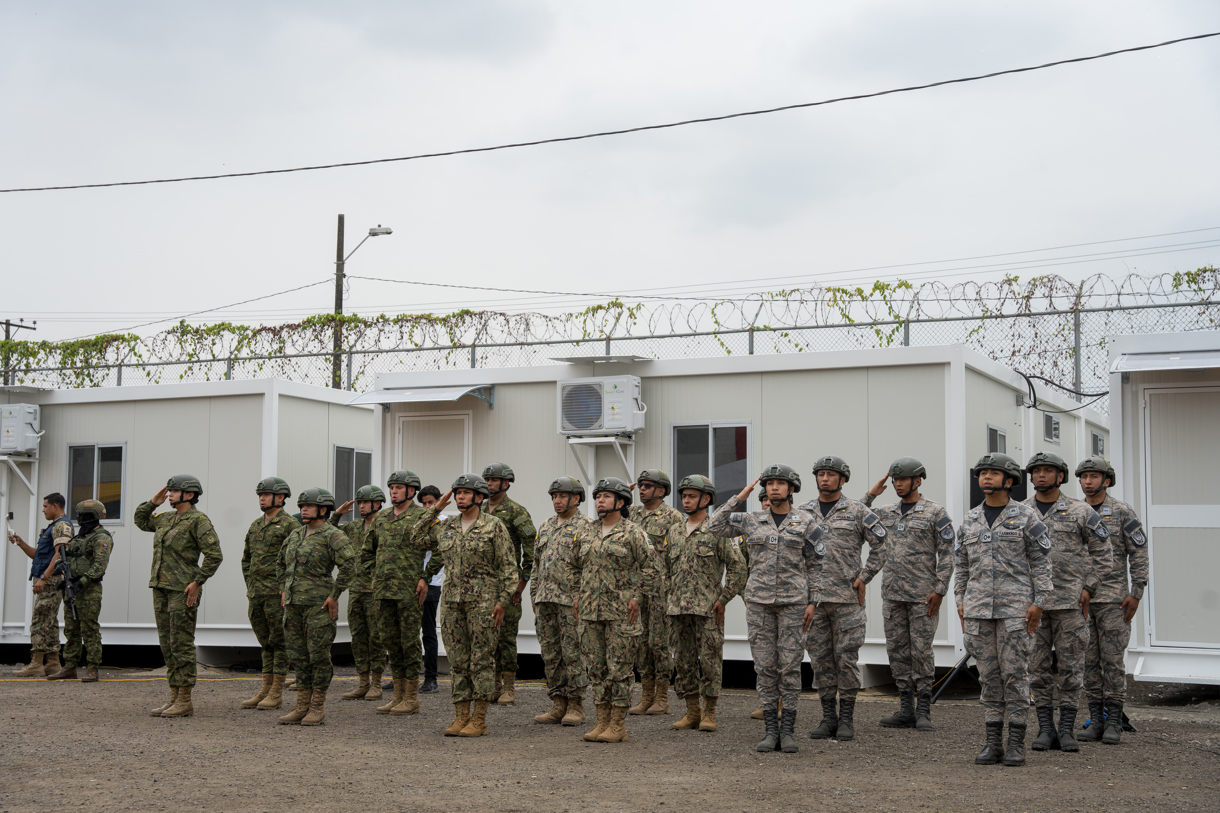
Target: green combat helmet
908	467
833	463
1099	464
567	485
1048	459
370	493
781	472
501	470
615	486
316	496
90	509
404	477
473	482
697	482
185	482
656	476
272	485
999	462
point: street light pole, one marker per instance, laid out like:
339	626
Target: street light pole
335	367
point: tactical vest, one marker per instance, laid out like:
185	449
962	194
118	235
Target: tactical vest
45	550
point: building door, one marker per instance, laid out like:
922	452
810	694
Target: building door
436	446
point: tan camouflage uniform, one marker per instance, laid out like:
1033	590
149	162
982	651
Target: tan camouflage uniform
523	533
258	563
304	570
654	659
1105	670
553	589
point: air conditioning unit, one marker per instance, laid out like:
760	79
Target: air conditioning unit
19	429
609	405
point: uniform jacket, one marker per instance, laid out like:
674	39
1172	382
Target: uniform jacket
306	563
522	532
1080	551
262	552
702	568
845	530
178	542
611	569
88	556
1004	568
479	564
1129	543
394	554
656	527
782	561
555	580
357	532
918	550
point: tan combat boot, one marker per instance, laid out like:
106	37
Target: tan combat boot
495	696
617	730
52	665
410	698
477	725
317	713
707	722
576	712
275	697
35	667
159	710
559	707
461	716
399	689
647	696
757	714
603	720
183	707
294	717
691	718
661	703
261	694
361	689
374	692
290	683
509	695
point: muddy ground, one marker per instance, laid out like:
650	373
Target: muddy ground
72	745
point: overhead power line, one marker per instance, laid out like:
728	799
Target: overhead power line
625	131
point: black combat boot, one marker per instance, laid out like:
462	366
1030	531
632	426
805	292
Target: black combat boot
923	712
905	716
1114	723
1067	722
830	720
771	741
993	751
1097	722
1046	739
787	742
846	730
1015	755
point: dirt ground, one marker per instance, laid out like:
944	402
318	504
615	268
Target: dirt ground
69	745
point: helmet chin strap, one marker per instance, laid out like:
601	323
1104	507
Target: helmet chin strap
698	507
616	509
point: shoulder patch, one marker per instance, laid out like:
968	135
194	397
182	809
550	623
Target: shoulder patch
737	517
1135	530
1012	512
944	522
815	533
1096	525
870	519
1039	534
820	548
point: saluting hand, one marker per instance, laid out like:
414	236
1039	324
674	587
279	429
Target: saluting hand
445	499
346	508
747	491
160	496
878	489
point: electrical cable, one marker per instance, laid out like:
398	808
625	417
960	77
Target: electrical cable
1033	395
624	131
1065	389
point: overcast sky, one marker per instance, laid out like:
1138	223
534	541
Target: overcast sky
96	92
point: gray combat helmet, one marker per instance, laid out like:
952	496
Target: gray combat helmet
833	463
614	486
272	485
501	470
370	493
999	462
404	477
316	496
473	482
185	482
90	509
567	485
781	472
1099	464
908	467
656	476
1048	459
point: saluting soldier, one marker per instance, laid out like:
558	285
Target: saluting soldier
918	564
1114	604
87	555
363	619
499	478
180	538
258	564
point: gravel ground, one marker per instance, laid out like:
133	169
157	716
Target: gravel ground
68	745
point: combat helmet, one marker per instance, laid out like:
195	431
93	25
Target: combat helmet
1099	464
370	494
908	467
185	482
90	509
316	496
501	470
615	486
473	482
1000	462
567	485
698	482
656	476
1048	459
273	485
833	463
779	471
404	477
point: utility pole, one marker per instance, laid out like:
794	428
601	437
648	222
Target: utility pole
9	327
335	367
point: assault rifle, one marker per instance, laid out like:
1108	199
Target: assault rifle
70	586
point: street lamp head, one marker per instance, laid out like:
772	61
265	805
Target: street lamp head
380	230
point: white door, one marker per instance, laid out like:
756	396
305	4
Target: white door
436	446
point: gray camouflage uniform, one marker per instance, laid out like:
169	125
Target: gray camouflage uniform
1105	671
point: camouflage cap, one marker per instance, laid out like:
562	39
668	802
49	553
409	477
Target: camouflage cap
185	482
316	496
372	493
404	477
656	476
91	507
699	483
272	485
500	470
908	467
1099	464
999	462
567	485
614	486
1047	459
833	463
473	482
781	472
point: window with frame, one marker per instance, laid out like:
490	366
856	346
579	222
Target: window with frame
997	440
1099	445
720	451
1050	428
96	472
353	468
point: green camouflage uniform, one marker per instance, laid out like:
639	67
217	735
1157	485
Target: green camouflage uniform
552	590
1105	669
178	542
44	623
521	529
258	563
480	573
701	569
610	568
306	561
390	553
654	658
363	617
87	556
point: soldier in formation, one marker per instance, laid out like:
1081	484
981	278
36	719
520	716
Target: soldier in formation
653	659
553	591
87	554
180	538
704	572
918	563
1003	581
264	540
837	631
499	478
44	623
779	595
428	496
1114	604
1080	559
363	619
481	575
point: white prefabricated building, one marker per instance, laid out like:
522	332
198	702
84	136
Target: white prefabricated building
729	418
1165	408
120	444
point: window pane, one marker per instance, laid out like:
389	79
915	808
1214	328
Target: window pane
729	458
690	454
110	480
80	476
344	474
364	469
997	441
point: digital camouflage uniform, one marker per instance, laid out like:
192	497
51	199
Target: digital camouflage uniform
480	573
87	555
178	542
837	631
44	622
611	570
1105	670
391	554
363	616
1002	569
781	567
258	567
918	562
654	658
552	590
1080	558
701	569
522	532
305	566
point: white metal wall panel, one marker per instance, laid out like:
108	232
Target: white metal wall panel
435	446
304	444
351	426
990	402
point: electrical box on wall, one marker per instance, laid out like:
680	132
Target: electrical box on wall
19	429
609	405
